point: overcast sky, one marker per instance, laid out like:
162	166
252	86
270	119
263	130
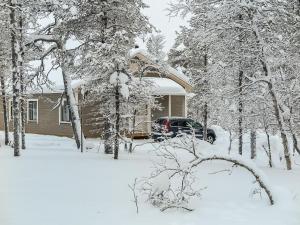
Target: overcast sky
158	17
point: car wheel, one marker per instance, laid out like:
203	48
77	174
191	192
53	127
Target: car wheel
210	139
160	139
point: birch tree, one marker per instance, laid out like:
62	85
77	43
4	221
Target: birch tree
52	38
5	68
15	57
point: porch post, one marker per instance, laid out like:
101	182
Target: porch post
170	106
185	105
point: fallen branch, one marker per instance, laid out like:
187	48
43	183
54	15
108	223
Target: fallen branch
176	207
240	163
135	197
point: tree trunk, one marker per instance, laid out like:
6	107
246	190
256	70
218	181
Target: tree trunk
205	109
295	143
22	87
230	142
240	109
132	132
107	137
71	101
5	111
23	114
280	123
205	115
15	51
117	125
240	90
75	120
253	144
269	150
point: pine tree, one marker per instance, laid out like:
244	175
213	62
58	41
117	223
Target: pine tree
155	45
108	34
250	44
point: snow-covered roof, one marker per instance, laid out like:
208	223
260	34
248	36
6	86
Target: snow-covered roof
179	74
165	86
161	86
57	88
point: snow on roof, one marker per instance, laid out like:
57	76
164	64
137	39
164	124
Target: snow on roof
165	86
170	69
161	86
56	88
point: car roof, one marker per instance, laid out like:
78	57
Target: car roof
173	118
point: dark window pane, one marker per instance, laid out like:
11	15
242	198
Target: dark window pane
174	123
32	110
65	112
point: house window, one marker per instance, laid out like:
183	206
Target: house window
32	112
65	112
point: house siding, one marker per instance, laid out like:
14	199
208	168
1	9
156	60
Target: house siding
178	106
48	118
49	123
90	120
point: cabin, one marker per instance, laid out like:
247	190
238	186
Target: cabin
46	118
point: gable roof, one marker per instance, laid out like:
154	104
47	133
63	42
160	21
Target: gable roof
170	72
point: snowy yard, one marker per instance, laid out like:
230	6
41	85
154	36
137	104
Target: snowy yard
54	184
170	68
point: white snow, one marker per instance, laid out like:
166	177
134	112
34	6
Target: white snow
58	88
52	183
120	79
165	86
169	69
161	183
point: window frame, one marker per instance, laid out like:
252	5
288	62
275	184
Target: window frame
60	113
37	111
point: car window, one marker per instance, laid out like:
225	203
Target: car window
174	123
196	125
159	121
184	123
190	124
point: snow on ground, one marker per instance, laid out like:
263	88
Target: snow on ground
54	184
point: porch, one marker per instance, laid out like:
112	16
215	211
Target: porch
171	99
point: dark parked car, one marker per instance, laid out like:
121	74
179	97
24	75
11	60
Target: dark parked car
170	127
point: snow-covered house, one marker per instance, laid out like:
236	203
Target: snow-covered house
44	117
